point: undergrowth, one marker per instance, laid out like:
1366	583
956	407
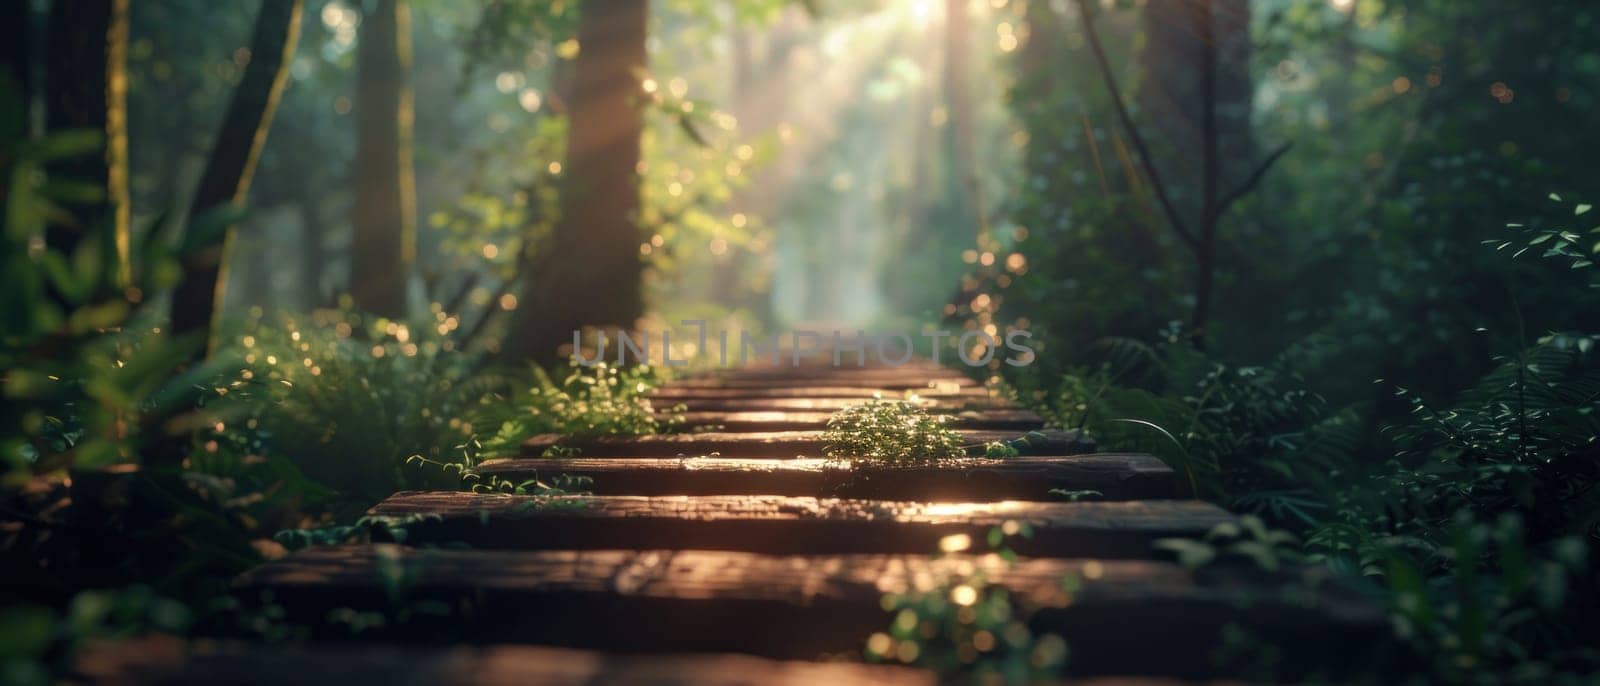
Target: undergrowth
956	622
600	400
892	431
1474	519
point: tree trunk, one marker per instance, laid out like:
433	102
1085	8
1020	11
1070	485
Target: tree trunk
383	220
592	275
16	58
197	301
1173	93
87	88
1197	91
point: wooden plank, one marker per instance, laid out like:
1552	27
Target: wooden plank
822	363
1119	617
776	420
169	661
901	382
778	444
933	405
1115	475
808	391
791	525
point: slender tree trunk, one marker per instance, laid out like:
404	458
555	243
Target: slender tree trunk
87	88
198	299
594	273
384	216
1206	258
1197	91
16	58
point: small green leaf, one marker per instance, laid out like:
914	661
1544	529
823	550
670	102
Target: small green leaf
1581	209
1191	554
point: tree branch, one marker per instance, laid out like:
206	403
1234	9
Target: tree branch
1254	179
1110	80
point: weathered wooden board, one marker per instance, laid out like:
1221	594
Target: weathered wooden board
171	662
1117	476
1119	617
777	444
776	420
791	525
901	382
945	405
811	391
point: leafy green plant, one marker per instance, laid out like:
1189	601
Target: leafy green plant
1479	602
39	641
1251	436
88	378
961	624
348	398
470	457
892	431
1249	538
602	400
1556	242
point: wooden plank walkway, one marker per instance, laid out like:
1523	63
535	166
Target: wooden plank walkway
734	552
779	524
800	607
171	662
765	444
149	661
1121	476
777	420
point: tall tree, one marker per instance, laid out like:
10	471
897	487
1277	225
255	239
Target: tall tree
226	180
1172	91
592	272
383	218
16	53
1195	224
86	88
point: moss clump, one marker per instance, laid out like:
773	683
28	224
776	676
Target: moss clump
890	430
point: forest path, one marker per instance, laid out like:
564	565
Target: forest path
750	564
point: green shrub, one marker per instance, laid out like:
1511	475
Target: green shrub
957	623
602	400
347	399
1249	436
890	430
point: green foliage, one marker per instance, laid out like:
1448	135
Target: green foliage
1558	243
1250	435
346	399
1478	526
1489	607
1000	449
470	458
1249	538
39	642
366	530
892	431
602	400
960	624
88	378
